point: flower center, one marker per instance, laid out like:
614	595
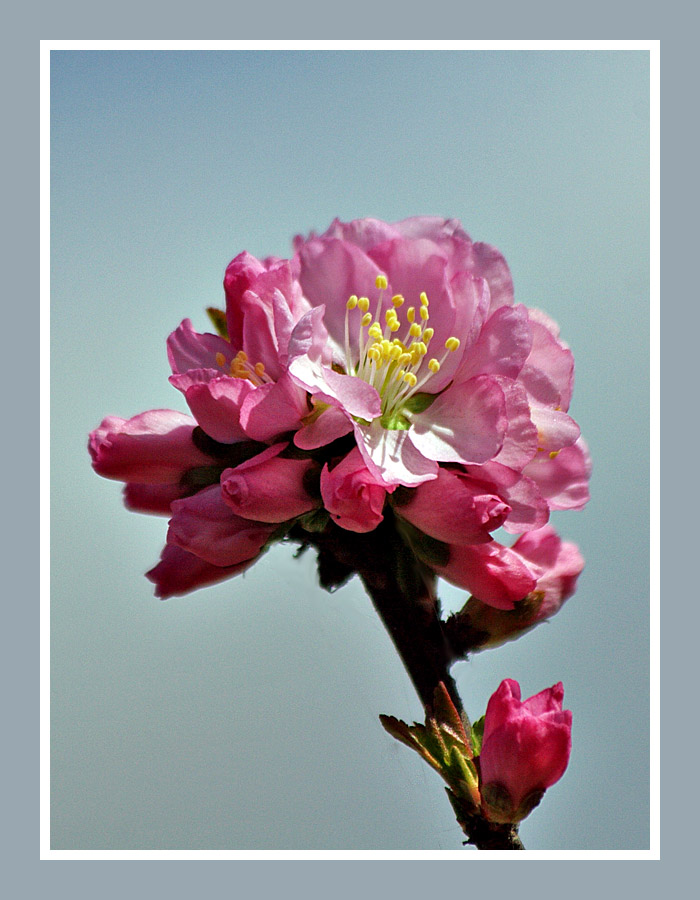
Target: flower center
395	366
240	367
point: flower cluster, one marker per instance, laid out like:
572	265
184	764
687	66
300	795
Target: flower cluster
382	370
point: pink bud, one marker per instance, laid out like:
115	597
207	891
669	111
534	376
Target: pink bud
352	495
525	750
268	488
557	564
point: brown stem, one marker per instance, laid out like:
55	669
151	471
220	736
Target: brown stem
403	592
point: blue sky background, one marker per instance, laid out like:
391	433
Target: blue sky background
246	715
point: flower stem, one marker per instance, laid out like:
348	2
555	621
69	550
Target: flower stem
403	592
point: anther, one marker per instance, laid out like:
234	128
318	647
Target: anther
367	318
452	344
381	282
220	359
397	300
415	330
411	314
424	314
363	303
427	334
434	365
259	368
352	302
410	379
424	299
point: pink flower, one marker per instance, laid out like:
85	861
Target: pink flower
525	749
352	495
554	564
238	387
424	352
557	564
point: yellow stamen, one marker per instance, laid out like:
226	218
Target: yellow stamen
410	379
424	299
375	331
397	300
434	365
259	368
394	325
427	334
367	318
395	352
415	330
554	454
452	344
373	353
424	314
242	356
411	314
363	303
220	359
352	302
381	282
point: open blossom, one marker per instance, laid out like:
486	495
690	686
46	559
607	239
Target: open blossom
525	749
383	372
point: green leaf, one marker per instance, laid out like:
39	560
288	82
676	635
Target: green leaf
478	735
447	716
314	521
218	320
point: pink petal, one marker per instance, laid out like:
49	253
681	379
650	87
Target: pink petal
206	526
215	402
153	498
154	447
466	423
502	346
494	574
391	457
548	373
329	426
348	392
187	349
179	572
273	409
555	429
563	481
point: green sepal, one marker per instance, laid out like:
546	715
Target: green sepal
201	476
314	521
432	552
478	735
418	403
217	317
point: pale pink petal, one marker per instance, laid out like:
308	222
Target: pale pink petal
466	423
348	392
331	271
563	481
187	349
391	457
520	442
489	263
548	373
502	347
555	429
332	424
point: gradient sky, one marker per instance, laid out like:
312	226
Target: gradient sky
245	716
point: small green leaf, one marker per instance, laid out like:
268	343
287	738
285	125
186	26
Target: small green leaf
478	735
395	422
218	320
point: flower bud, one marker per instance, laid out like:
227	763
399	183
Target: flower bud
525	750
